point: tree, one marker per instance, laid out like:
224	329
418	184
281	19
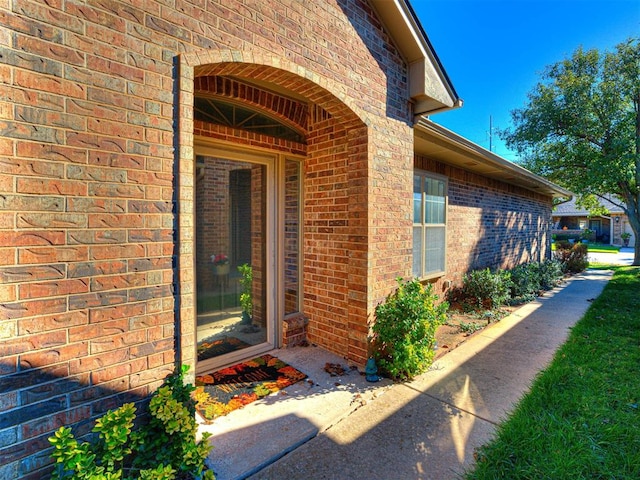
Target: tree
580	128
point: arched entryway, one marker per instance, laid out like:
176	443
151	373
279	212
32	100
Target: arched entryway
248	236
261	125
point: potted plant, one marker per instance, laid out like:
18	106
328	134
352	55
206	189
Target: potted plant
625	236
220	264
246	297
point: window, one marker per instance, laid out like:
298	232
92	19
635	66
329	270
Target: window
429	224
212	110
292	236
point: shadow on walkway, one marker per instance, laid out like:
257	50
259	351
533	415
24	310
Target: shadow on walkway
424	429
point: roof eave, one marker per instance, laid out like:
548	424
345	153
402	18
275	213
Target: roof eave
436	142
429	85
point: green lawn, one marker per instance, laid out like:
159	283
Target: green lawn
581	419
602	248
596	248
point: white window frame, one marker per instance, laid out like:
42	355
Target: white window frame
423	174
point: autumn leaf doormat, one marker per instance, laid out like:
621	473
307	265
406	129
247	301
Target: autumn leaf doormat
225	390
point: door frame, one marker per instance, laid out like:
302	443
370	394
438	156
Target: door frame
275	162
207	148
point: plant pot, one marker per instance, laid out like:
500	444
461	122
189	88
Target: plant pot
625	242
221	269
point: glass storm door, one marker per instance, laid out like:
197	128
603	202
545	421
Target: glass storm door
234	239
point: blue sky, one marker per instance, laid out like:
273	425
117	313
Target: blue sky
495	50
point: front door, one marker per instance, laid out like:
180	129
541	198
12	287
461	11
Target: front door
235	245
596	226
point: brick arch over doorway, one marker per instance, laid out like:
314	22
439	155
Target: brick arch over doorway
289	111
314	88
335	176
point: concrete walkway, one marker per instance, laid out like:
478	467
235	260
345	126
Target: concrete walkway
424	429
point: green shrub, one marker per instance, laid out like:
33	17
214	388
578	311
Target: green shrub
170	436
550	274
525	280
102	460
162	449
246	297
572	257
404	330
470	327
482	290
528	279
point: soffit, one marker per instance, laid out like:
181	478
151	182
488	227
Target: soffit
429	84
436	142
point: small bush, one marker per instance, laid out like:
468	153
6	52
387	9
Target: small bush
550	274
172	431
482	290
525	280
470	327
404	331
572	257
528	279
246	297
163	449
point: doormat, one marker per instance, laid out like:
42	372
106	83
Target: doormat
221	392
219	346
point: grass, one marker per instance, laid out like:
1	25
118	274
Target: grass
581	418
596	248
602	248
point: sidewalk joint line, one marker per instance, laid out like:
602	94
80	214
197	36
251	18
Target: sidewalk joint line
452	405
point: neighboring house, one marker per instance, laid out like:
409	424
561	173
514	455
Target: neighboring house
149	149
571	220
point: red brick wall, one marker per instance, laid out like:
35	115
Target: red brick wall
97	188
326	229
490	223
335	233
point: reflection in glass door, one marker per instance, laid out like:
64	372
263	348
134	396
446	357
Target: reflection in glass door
233	321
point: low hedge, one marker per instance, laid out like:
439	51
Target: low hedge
487	290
